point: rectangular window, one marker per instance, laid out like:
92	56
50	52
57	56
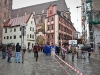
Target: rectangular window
33	29
48	27
14	29
48	36
30	28
20	36
30	36
5	30
50	11
10	30
7	37
31	22
4	37
10	37
52	27
33	36
27	36
20	28
52	18
48	19
14	36
52	36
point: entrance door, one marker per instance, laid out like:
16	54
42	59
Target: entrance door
28	45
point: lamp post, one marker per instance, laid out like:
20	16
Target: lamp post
23	27
83	26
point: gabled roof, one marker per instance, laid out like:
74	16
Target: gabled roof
17	21
61	6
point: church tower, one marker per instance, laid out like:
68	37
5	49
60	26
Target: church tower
5	13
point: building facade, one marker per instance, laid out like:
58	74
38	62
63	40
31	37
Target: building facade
5	13
59	26
12	31
52	22
92	22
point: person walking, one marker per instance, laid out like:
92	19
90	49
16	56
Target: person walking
47	49
18	48
89	51
9	54
84	49
57	49
73	49
3	51
35	49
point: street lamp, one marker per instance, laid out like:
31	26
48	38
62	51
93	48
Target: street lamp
23	27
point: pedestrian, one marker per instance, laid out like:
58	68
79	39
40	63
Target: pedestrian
53	48
47	49
84	48
3	51
73	49
18	48
57	49
67	49
41	47
89	51
77	50
9	54
35	49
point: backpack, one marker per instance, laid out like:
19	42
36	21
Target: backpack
35	48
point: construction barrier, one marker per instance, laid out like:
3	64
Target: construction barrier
62	67
70	66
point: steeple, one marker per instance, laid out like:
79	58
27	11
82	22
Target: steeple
5	14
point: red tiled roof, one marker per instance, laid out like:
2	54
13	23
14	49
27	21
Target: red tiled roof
17	21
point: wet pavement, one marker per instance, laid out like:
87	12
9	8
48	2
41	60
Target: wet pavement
48	66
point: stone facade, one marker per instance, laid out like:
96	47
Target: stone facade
5	13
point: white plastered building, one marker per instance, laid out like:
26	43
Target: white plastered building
12	30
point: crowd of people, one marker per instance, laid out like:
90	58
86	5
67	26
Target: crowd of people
46	49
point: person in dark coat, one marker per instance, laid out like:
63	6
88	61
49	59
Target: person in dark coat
57	50
3	51
89	50
18	48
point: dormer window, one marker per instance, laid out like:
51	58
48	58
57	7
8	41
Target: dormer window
42	11
14	29
5	30
50	11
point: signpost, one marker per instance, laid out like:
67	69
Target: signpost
23	28
72	42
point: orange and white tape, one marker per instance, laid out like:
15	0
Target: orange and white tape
62	67
70	66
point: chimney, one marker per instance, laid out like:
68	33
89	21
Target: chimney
25	14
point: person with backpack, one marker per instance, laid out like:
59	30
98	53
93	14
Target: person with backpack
9	54
35	50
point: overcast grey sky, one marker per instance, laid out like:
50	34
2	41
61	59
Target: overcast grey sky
75	13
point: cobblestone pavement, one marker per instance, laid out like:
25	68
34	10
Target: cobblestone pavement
48	66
